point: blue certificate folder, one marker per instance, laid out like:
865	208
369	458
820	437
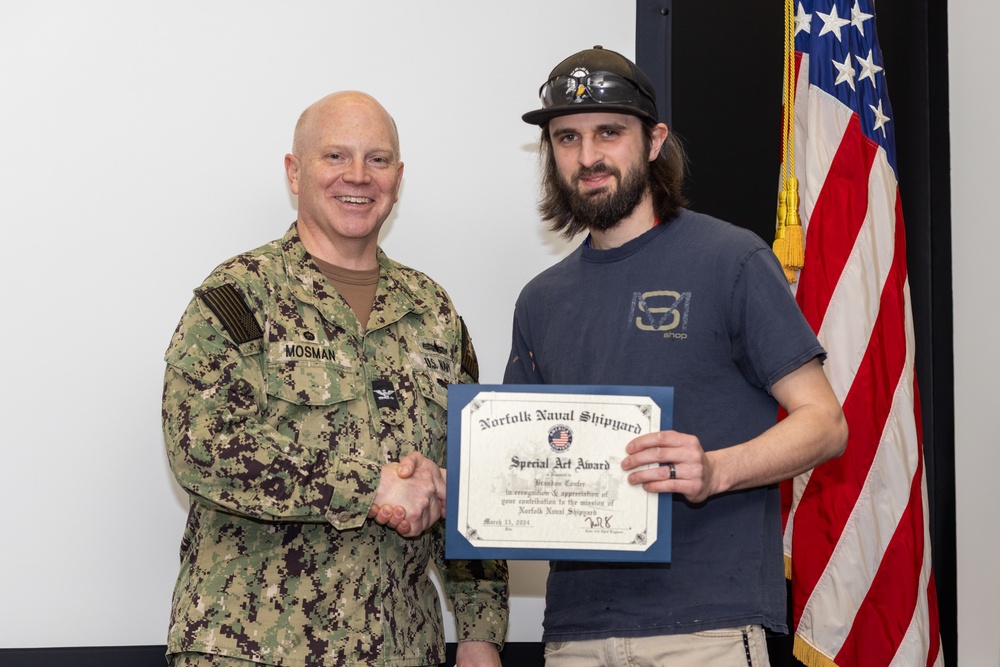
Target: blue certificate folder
456	544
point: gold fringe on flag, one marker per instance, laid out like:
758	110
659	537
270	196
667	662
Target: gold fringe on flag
789	242
809	656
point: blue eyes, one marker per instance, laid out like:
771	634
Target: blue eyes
378	160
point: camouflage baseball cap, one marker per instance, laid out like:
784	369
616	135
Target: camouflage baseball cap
593	81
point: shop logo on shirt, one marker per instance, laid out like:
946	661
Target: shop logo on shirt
663	311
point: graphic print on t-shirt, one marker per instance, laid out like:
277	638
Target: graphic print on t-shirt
661	311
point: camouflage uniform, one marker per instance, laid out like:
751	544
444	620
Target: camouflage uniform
278	416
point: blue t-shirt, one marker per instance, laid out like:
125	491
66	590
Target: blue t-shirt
703	306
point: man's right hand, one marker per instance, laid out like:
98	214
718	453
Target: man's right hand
411	495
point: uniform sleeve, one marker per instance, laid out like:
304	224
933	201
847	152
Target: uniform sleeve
479	594
477	588
222	451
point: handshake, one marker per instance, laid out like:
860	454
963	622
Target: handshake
410	497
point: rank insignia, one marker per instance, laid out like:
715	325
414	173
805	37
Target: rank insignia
385	394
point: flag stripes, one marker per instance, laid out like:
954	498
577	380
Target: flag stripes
856	534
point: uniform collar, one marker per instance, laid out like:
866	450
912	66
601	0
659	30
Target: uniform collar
393	297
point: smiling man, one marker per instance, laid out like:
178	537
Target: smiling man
345	169
304	412
657	295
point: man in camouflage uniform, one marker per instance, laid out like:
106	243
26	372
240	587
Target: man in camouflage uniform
304	411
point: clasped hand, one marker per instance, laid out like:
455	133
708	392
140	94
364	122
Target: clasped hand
411	495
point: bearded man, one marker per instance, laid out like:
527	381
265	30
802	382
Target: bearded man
658	295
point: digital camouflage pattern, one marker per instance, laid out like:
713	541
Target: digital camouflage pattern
279	442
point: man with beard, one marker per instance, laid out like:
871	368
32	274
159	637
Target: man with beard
658	295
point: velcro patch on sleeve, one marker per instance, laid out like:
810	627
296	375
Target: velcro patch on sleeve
469	362
237	318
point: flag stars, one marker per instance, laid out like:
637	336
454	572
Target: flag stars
845	71
858	17
832	22
880	118
868	67
803	21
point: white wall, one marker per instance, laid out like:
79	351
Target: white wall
142	143
975	224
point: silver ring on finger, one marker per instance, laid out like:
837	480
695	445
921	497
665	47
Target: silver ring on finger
673	471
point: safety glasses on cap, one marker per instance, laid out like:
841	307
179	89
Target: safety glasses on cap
601	87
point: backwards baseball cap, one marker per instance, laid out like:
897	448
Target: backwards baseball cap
595	81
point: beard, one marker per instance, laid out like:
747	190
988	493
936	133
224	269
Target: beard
602	210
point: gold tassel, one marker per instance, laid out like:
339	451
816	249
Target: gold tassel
781	237
789	245
780	244
796	253
789	241
782	208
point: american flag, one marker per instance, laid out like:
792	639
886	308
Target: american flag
559	436
856	539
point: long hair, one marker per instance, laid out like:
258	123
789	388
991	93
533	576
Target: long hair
666	183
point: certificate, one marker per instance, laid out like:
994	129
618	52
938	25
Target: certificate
534	473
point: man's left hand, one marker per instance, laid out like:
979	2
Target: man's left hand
691	467
477	654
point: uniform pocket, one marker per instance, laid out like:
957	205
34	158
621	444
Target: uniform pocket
433	387
307	383
314	404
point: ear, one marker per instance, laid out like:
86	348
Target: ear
659	135
399	180
292	171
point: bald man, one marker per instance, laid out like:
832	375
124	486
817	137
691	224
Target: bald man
304	412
